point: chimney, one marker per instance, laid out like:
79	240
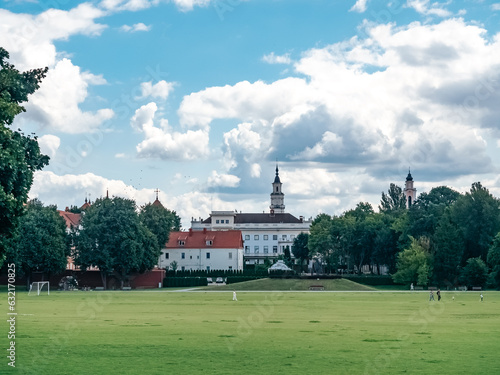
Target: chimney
190	232
67	209
301	219
205	230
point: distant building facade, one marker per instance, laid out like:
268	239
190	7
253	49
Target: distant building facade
204	250
265	235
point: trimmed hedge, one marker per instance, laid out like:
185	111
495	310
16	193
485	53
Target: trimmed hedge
175	282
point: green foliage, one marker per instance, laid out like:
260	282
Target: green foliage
448	246
41	243
475	273
114	239
160	221
428	209
477	214
393	201
494	260
20	155
414	264
300	249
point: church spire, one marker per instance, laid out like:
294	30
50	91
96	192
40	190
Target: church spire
277	196
409	191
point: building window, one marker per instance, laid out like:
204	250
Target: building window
217	221
256	237
247	249
284	237
183	268
208	268
182	243
166	255
183	255
230	267
247	236
227	221
230	255
275	237
275	249
266	249
266	237
190	257
208	255
209	242
256	249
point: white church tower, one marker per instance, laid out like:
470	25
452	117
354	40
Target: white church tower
277	197
409	191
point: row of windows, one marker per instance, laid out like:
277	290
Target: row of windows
183	256
256	237
221	221
256	249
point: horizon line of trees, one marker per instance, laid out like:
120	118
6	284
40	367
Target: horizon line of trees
444	238
114	235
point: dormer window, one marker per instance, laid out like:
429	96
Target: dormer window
182	243
209	242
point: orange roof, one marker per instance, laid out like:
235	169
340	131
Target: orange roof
70	218
230	239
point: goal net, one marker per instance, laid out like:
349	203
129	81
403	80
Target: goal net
39	287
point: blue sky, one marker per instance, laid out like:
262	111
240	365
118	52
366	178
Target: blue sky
199	98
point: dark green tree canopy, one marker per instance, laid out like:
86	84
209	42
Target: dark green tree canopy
20	155
160	221
113	238
300	249
41	243
394	200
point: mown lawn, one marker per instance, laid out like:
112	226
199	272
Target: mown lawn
203	332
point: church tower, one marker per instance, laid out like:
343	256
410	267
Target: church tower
409	191
277	197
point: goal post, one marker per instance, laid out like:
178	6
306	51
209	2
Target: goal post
39	287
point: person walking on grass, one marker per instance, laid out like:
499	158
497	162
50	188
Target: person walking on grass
481	296
234	296
439	294
431	296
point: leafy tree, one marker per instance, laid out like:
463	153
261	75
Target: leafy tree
393	201
160	221
113	238
448	246
365	227
320	240
20	155
300	249
494	258
428	209
414	264
475	273
477	214
41	244
287	256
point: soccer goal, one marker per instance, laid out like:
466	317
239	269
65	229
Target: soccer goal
39	287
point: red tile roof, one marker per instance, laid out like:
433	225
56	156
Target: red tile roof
70	218
197	239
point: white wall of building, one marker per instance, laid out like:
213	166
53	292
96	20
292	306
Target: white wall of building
197	259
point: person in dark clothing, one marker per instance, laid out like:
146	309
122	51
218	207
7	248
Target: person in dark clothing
439	295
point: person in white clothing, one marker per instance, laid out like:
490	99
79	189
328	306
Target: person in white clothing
234	296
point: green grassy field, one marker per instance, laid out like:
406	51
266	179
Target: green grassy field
281	332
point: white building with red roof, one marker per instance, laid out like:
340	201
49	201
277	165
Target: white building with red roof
204	250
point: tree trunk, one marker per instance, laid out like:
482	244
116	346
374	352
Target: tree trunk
103	278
